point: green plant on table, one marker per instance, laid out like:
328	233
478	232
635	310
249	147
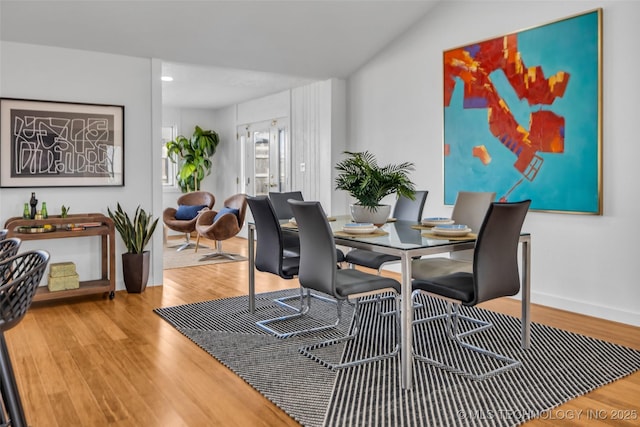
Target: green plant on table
369	183
137	233
64	211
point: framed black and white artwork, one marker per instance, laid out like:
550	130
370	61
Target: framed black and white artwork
60	144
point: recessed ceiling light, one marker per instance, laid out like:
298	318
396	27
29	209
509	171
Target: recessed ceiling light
166	78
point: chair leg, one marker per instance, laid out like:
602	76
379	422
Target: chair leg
10	394
305	304
281	301
453	316
219	253
308	350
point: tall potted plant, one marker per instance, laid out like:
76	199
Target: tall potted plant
136	235
360	175
193	157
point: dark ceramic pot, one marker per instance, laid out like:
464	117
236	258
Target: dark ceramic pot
135	268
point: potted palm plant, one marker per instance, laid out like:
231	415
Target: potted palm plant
193	157
360	175
136	235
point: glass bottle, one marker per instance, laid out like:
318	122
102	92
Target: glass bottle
45	214
33	202
26	213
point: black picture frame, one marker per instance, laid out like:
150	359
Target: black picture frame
60	144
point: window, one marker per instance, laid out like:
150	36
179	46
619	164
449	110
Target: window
168	167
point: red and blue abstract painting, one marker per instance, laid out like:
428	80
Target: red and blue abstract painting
522	116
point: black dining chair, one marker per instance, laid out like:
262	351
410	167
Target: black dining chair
9	247
495	274
319	271
21	275
279	201
271	257
406	210
470	209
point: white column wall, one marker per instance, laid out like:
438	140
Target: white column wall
318	130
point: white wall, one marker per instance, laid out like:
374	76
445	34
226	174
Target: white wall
45	73
585	264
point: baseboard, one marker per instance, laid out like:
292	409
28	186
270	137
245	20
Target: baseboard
586	308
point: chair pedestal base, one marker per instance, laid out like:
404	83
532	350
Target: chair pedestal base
220	254
187	244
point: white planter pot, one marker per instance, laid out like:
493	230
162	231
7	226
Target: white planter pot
377	216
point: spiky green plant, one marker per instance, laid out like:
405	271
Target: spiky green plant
193	157
137	233
369	183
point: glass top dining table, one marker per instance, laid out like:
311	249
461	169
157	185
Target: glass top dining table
407	240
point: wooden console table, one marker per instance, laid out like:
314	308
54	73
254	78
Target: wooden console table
107	282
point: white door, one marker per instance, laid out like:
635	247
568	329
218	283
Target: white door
267	163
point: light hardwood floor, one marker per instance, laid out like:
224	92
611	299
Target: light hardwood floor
96	362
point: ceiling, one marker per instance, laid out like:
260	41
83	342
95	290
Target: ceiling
220	52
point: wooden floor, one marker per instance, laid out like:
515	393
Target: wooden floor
96	362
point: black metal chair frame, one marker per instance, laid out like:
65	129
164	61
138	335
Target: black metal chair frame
495	274
21	275
270	258
470	209
9	247
319	271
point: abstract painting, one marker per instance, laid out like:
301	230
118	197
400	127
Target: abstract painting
55	144
523	116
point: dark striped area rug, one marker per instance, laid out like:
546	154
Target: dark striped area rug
558	367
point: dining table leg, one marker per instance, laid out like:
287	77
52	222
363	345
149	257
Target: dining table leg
406	325
252	269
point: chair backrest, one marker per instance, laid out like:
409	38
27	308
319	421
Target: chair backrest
269	244
21	275
318	259
9	247
196	198
470	209
495	261
410	210
280	204
238	201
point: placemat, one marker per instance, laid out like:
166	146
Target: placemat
421	227
292	225
376	233
470	236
